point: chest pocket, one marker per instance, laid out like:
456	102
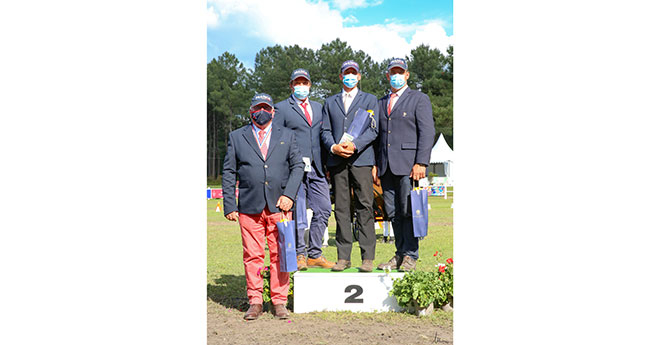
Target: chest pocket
409	146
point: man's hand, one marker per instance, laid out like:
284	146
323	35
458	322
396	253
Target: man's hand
233	216
374	175
284	203
418	172
344	150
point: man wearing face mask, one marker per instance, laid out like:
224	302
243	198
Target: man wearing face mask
303	117
266	161
350	164
403	151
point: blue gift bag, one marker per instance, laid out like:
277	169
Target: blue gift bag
286	241
301	209
360	121
419	202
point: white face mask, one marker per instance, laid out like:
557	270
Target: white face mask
350	80
397	81
301	91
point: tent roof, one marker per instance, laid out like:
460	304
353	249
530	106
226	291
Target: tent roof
441	152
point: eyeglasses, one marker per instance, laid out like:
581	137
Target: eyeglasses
260	107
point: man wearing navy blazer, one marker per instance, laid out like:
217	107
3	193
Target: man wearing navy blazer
266	161
303	117
402	155
350	164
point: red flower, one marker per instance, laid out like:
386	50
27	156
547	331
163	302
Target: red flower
441	269
259	271
450	261
436	253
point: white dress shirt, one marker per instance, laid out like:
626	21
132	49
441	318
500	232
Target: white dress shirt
348	97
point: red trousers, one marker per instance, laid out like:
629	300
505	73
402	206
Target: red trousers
254	227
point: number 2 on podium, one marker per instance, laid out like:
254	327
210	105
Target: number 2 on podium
353	298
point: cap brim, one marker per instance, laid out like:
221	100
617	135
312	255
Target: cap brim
261	102
300	76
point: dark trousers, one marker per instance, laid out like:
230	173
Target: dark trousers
344	176
314	189
396	194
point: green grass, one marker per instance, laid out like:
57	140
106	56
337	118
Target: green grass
225	275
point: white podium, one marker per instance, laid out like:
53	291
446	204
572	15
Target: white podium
335	291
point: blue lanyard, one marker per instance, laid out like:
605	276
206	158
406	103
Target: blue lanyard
261	143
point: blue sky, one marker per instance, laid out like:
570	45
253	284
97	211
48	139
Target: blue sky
381	28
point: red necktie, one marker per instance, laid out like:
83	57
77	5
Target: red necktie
264	147
309	118
389	106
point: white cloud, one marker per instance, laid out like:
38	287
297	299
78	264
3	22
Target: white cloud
346	4
350	19
211	17
311	25
298	22
383	41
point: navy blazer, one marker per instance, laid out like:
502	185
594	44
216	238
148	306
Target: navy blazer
336	121
288	114
406	135
260	182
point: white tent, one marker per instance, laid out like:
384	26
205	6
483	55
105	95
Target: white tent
441	153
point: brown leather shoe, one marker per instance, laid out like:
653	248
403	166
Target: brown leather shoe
367	266
302	263
408	264
280	311
319	262
393	264
341	265
253	312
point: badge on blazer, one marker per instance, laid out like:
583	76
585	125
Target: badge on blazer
404	114
373	120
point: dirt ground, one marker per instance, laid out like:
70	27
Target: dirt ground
226	326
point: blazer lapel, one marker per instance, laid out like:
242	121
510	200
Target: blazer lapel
355	101
296	108
249	136
275	135
403	96
340	103
317	114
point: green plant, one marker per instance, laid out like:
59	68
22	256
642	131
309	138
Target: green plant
446	276
417	288
265	274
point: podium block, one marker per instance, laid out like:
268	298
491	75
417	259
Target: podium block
350	291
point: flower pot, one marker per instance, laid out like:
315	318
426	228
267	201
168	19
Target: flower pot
422	311
449	306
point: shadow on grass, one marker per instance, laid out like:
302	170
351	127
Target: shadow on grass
230	291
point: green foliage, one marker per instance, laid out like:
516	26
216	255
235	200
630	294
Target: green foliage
446	276
420	288
433	73
230	85
265	274
417	288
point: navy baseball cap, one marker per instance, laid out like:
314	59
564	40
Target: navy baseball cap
300	72
397	63
261	98
350	64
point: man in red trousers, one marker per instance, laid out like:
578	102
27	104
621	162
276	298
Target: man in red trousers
265	160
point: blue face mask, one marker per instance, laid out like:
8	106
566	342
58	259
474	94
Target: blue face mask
350	80
397	81
301	91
